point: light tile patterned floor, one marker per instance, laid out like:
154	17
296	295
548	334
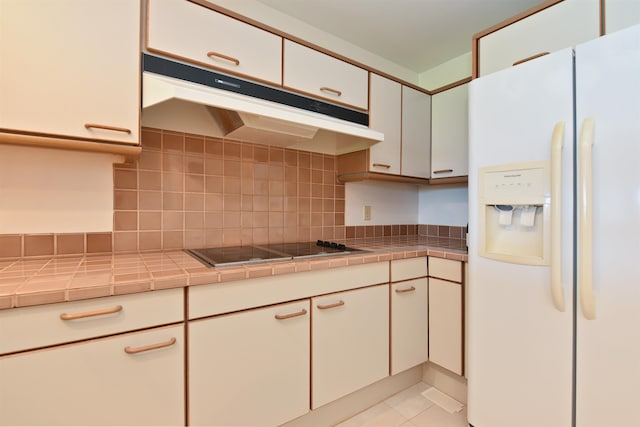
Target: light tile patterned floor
409	408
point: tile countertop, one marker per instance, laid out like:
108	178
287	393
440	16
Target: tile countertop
36	281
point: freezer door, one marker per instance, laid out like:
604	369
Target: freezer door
519	343
608	345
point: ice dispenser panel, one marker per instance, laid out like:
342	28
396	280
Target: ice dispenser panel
514	213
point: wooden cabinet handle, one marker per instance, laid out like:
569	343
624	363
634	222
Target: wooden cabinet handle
327	306
403	291
135	350
381	165
231	59
116	309
443	171
330	90
537	55
289	316
105	127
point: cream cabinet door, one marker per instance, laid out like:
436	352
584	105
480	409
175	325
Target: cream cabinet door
71	68
416	133
350	342
562	25
619	14
409	324
110	381
445	324
317	74
449	133
385	115
250	368
191	32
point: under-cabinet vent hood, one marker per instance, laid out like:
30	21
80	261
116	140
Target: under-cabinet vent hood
181	97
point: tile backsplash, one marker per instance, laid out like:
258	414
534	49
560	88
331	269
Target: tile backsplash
193	191
189	191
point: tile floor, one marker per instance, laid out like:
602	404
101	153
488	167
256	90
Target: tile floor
408	408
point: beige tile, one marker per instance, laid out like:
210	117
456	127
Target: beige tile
10	246
125	200
99	242
150	200
150	220
125	179
232	150
38	244
436	416
41	298
232	168
213	146
172	141
150	160
172	201
151	139
172	181
124	220
213	166
125	241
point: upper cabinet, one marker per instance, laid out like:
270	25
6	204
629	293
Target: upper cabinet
70	69
619	14
403	114
314	73
385	116
549	27
416	133
193	33
449	133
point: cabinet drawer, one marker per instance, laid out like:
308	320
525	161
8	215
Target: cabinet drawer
411	268
208	300
39	326
311	72
446	269
562	25
97	382
194	33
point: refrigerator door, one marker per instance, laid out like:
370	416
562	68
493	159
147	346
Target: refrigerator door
519	343
608	346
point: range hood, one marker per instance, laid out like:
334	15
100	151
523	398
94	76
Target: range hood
182	97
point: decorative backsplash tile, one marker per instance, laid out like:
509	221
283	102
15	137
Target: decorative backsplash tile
189	191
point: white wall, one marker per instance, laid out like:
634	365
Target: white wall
391	203
276	19
444	205
448	72
55	191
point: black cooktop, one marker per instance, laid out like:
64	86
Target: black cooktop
242	255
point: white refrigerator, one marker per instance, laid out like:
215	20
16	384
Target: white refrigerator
553	300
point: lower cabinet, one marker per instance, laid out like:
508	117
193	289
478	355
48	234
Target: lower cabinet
130	379
409	324
446	314
250	367
350	342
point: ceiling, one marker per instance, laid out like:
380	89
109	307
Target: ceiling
416	34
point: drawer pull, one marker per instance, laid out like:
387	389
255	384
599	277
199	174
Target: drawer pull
381	165
403	291
135	350
105	127
231	59
537	55
290	315
116	309
443	171
327	306
330	90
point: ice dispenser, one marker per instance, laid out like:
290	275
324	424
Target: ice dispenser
514	213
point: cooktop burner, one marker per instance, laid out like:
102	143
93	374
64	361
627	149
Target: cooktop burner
242	255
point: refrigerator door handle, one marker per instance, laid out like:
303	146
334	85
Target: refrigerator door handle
557	142
585	220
